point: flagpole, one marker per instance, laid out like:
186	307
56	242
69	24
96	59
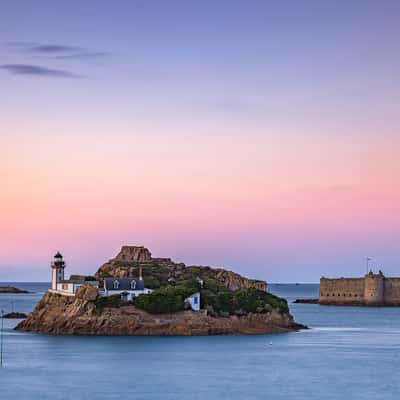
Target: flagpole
367	262
1	338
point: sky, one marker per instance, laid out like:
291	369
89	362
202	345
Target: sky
258	136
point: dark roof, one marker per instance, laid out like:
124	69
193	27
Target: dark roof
71	281
124	284
58	255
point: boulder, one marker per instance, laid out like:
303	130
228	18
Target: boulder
87	293
134	254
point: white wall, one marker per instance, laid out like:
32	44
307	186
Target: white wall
194	301
131	293
66	287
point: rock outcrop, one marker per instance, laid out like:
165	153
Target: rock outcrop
131	258
133	254
234	281
57	314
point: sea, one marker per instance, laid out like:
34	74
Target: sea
347	353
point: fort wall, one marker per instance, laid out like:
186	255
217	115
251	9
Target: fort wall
341	291
372	290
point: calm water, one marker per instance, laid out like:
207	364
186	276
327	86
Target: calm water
349	353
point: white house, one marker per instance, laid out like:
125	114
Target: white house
194	301
69	287
62	286
128	288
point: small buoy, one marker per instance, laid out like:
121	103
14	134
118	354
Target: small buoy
270	343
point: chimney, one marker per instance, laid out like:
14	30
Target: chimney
140	274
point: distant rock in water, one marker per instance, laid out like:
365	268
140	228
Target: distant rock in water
12	290
15	315
306	301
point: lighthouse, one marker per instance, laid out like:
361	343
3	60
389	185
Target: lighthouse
57	270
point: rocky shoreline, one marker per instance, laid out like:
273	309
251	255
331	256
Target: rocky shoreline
62	315
340	304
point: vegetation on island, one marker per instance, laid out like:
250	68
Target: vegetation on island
113	301
216	298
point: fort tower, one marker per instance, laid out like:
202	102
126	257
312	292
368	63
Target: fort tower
374	289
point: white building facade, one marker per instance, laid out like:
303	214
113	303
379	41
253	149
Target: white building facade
127	288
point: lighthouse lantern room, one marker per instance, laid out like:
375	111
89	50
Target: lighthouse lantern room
57	267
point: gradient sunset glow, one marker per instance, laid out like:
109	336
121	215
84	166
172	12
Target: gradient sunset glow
270	147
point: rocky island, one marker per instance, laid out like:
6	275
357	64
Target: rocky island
15	315
12	290
167	298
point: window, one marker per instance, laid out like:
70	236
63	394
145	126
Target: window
116	284
195	300
65	286
133	285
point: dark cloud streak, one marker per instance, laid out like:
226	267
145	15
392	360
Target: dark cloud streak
47	51
55	51
52	49
36	70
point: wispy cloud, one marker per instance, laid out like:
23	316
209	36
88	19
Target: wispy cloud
55	51
36	70
81	55
48	51
51	48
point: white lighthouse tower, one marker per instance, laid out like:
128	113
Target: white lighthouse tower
57	270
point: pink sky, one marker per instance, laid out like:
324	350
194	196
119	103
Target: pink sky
253	203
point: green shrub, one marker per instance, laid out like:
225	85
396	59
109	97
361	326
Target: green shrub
152	282
241	301
110	301
215	285
187	287
165	300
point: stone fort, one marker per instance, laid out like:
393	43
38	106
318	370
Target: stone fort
371	290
